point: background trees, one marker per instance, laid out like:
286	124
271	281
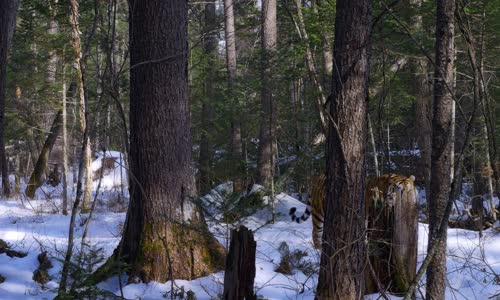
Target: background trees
8	11
245	63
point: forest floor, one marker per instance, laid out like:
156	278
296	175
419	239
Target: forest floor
37	225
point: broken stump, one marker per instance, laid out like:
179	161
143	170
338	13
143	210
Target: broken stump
240	266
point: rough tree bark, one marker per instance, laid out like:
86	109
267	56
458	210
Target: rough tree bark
441	144
268	115
207	112
8	12
165	236
240	266
343	249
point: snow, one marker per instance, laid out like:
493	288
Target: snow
31	226
114	178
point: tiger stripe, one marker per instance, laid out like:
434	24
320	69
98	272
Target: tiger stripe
378	190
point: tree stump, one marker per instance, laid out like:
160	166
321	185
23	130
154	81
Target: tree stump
41	275
392	243
240	266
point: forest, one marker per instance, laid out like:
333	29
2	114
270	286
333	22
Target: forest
250	149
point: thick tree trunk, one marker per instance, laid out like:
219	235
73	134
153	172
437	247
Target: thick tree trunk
36	178
267	134
207	113
240	266
343	249
8	12
441	144
165	236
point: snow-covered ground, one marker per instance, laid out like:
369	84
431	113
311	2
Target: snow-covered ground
35	226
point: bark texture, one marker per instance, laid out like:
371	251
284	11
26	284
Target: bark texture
165	236
343	250
269	113
441	144
8	12
240	266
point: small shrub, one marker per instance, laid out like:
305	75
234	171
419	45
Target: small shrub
239	206
180	293
84	281
293	260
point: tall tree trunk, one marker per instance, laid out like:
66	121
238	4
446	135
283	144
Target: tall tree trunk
343	247
77	49
207	113
8	12
269	108
236	141
165	236
441	144
64	146
422	92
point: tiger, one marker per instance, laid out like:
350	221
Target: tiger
316	207
387	188
378	190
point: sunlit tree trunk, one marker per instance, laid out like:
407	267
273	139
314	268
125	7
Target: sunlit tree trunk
64	145
77	49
